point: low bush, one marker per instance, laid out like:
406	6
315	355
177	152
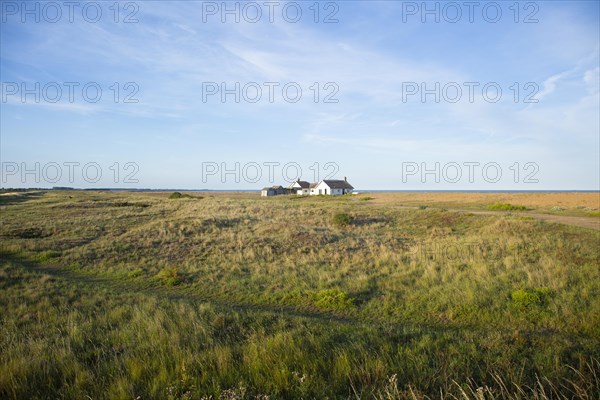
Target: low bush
178	195
342	219
333	299
48	255
506	207
169	276
524	299
135	273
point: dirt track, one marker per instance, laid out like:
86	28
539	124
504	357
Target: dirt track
584	222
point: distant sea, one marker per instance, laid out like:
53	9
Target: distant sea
356	190
364	190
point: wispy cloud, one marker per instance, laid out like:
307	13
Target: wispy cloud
171	53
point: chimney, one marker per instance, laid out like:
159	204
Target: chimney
345	179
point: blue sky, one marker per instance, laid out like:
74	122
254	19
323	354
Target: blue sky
376	133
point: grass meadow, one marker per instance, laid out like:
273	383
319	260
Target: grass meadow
115	295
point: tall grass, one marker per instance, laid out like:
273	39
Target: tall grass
104	298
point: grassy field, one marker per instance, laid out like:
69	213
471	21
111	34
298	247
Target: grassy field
568	203
114	295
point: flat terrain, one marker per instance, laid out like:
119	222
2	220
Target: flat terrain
570	203
579	209
379	295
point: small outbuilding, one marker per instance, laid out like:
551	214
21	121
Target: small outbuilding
272	191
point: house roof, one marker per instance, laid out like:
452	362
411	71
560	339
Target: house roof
338	184
312	185
303	184
273	188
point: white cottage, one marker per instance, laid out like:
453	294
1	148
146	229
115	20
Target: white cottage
325	187
300	187
331	187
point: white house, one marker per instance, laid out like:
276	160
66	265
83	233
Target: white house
325	187
300	187
332	187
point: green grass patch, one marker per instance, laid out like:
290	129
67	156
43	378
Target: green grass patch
235	296
178	195
47	255
169	276
333	299
506	207
342	219
526	299
136	273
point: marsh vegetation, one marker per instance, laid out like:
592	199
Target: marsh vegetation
119	295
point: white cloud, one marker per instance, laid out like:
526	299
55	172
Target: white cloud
592	78
549	85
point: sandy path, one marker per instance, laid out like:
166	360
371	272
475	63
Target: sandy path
584	222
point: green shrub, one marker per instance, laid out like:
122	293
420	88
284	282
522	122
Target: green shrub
48	255
506	207
422	207
169	276
74	266
135	273
342	219
333	299
524	299
178	195
366	198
